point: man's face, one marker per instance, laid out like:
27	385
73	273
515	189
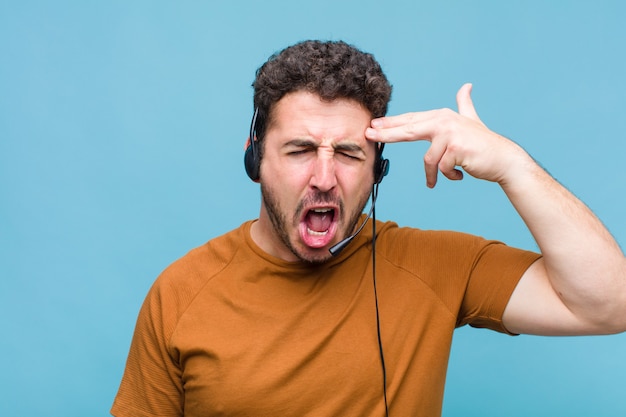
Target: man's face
316	176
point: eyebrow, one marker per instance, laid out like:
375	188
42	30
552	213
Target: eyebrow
301	143
343	146
351	147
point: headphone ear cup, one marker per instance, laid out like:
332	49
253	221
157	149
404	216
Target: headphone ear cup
251	163
382	168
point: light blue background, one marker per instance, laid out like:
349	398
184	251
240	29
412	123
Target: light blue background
122	125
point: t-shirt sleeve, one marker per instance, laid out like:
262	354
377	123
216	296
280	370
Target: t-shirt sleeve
496	271
472	276
151	385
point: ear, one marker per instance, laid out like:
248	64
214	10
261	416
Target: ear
247	144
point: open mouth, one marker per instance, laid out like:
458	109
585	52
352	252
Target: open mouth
318	226
318	221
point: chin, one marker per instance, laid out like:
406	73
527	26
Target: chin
313	256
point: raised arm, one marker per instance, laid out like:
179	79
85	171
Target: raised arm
579	286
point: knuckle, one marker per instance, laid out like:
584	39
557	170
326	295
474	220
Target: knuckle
410	129
454	147
429	159
447	121
447	114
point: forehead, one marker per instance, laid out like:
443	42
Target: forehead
306	114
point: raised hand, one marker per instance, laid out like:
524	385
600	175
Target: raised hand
458	139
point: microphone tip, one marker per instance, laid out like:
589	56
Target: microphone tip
336	249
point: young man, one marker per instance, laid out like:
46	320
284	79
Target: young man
265	321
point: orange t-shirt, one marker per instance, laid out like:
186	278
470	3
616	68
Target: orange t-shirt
229	330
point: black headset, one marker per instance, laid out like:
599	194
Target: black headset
252	157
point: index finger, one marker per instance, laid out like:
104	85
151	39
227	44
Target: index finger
403	128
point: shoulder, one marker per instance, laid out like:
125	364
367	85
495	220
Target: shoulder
448	255
178	284
401	242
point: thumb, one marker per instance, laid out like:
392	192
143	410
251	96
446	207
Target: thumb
465	104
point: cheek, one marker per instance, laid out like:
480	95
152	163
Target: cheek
285	175
287	183
352	179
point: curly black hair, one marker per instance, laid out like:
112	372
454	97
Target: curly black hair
330	69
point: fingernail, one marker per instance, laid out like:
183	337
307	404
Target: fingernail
371	133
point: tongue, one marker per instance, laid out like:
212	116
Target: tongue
319	222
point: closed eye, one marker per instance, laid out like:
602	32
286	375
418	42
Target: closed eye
300	151
350	151
297	147
349	155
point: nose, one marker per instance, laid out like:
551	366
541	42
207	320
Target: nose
323	176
